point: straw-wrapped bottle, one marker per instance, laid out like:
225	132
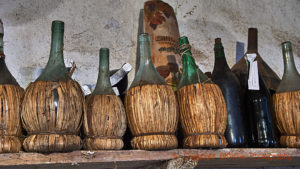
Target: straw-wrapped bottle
151	106
286	101
53	104
10	102
105	118
202	106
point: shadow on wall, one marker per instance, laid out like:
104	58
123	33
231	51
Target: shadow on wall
19	12
201	35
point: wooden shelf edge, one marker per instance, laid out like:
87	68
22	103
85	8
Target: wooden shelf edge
205	157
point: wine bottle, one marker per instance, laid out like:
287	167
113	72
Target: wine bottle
10	102
235	133
202	106
257	97
286	101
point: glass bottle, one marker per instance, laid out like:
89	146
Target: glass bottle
53	105
151	105
291	78
10	103
55	69
191	73
258	107
235	133
105	120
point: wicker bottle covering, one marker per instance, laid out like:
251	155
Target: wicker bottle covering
203	115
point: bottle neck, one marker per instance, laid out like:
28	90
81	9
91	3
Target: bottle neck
1	44
145	53
220	60
252	40
103	85
57	46
288	59
55	69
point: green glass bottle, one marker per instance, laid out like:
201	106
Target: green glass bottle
291	78
236	133
5	76
10	102
53	105
203	115
151	106
286	101
105	120
191	73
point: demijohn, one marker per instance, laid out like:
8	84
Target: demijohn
236	133
53	105
105	118
10	102
203	115
151	105
257	98
286	101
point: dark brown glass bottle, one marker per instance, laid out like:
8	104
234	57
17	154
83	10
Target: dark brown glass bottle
236	133
261	133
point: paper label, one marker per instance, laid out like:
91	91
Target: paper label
115	89
253	80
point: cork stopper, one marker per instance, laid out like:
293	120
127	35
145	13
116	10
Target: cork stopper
1	27
218	40
252	40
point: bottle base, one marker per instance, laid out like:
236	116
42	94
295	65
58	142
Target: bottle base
10	144
205	141
290	141
154	142
52	143
103	144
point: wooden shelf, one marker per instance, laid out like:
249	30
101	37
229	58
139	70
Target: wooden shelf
217	158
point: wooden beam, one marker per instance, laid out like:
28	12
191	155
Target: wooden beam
216	158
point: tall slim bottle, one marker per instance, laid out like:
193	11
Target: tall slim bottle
235	133
258	99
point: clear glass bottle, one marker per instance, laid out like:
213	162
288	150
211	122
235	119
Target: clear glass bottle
236	133
291	78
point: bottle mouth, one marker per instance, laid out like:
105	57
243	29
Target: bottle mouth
287	45
218	40
144	37
184	40
104	51
58	26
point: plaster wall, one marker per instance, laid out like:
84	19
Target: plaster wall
91	24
